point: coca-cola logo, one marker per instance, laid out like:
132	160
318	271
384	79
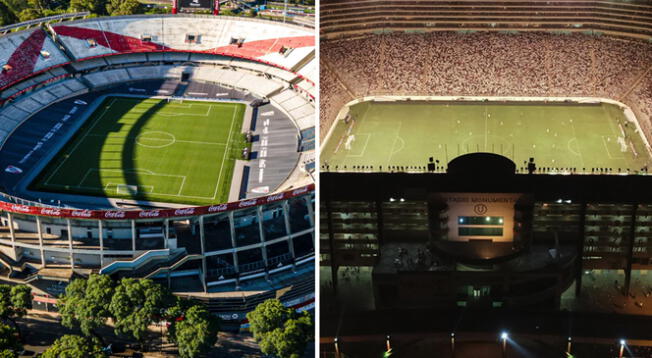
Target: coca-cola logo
52	212
149	214
82	213
275	197
21	208
115	215
186	211
216	208
300	191
247	203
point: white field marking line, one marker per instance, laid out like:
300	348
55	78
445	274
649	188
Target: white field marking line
151	188
158	139
226	150
392	152
604	142
579	151
486	126
570	148
84	177
364	148
97	120
183	182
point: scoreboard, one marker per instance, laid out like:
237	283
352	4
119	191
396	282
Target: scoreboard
480	216
196	5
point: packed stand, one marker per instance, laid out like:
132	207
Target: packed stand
483	64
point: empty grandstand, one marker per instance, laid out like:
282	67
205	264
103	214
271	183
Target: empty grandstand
78	185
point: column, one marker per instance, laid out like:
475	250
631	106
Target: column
311	216
261	234
630	250
167	233
12	234
579	270
233	243
202	243
101	236
133	235
40	240
288	229
72	254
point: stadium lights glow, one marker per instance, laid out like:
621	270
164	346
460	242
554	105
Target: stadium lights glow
504	336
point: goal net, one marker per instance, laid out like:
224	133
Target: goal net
127	189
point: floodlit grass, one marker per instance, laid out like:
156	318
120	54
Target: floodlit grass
151	149
557	135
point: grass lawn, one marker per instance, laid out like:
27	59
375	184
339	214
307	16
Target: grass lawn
151	149
557	135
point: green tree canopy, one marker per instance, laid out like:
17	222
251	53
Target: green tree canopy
8	341
72	346
124	7
7	15
281	331
14	303
85	304
197	332
7	353
136	304
95	6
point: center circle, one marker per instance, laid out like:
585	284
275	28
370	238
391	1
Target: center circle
155	139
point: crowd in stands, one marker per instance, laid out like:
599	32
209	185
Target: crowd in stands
485	64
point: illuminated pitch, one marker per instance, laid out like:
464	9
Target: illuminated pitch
385	136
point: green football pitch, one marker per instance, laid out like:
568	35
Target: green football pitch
383	135
151	149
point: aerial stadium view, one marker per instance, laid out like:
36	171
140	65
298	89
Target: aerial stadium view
484	178
157	184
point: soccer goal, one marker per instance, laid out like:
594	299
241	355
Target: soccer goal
125	189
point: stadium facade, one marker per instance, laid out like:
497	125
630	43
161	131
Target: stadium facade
232	255
481	233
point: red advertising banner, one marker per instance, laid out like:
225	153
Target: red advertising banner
151	214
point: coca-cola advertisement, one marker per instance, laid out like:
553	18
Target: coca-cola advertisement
149	214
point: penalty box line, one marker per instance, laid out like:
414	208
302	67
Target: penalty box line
148	172
74	148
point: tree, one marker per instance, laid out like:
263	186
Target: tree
8	353
95	6
7	16
85	304
14	303
8	341
279	330
124	7
197	332
136	304
72	346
